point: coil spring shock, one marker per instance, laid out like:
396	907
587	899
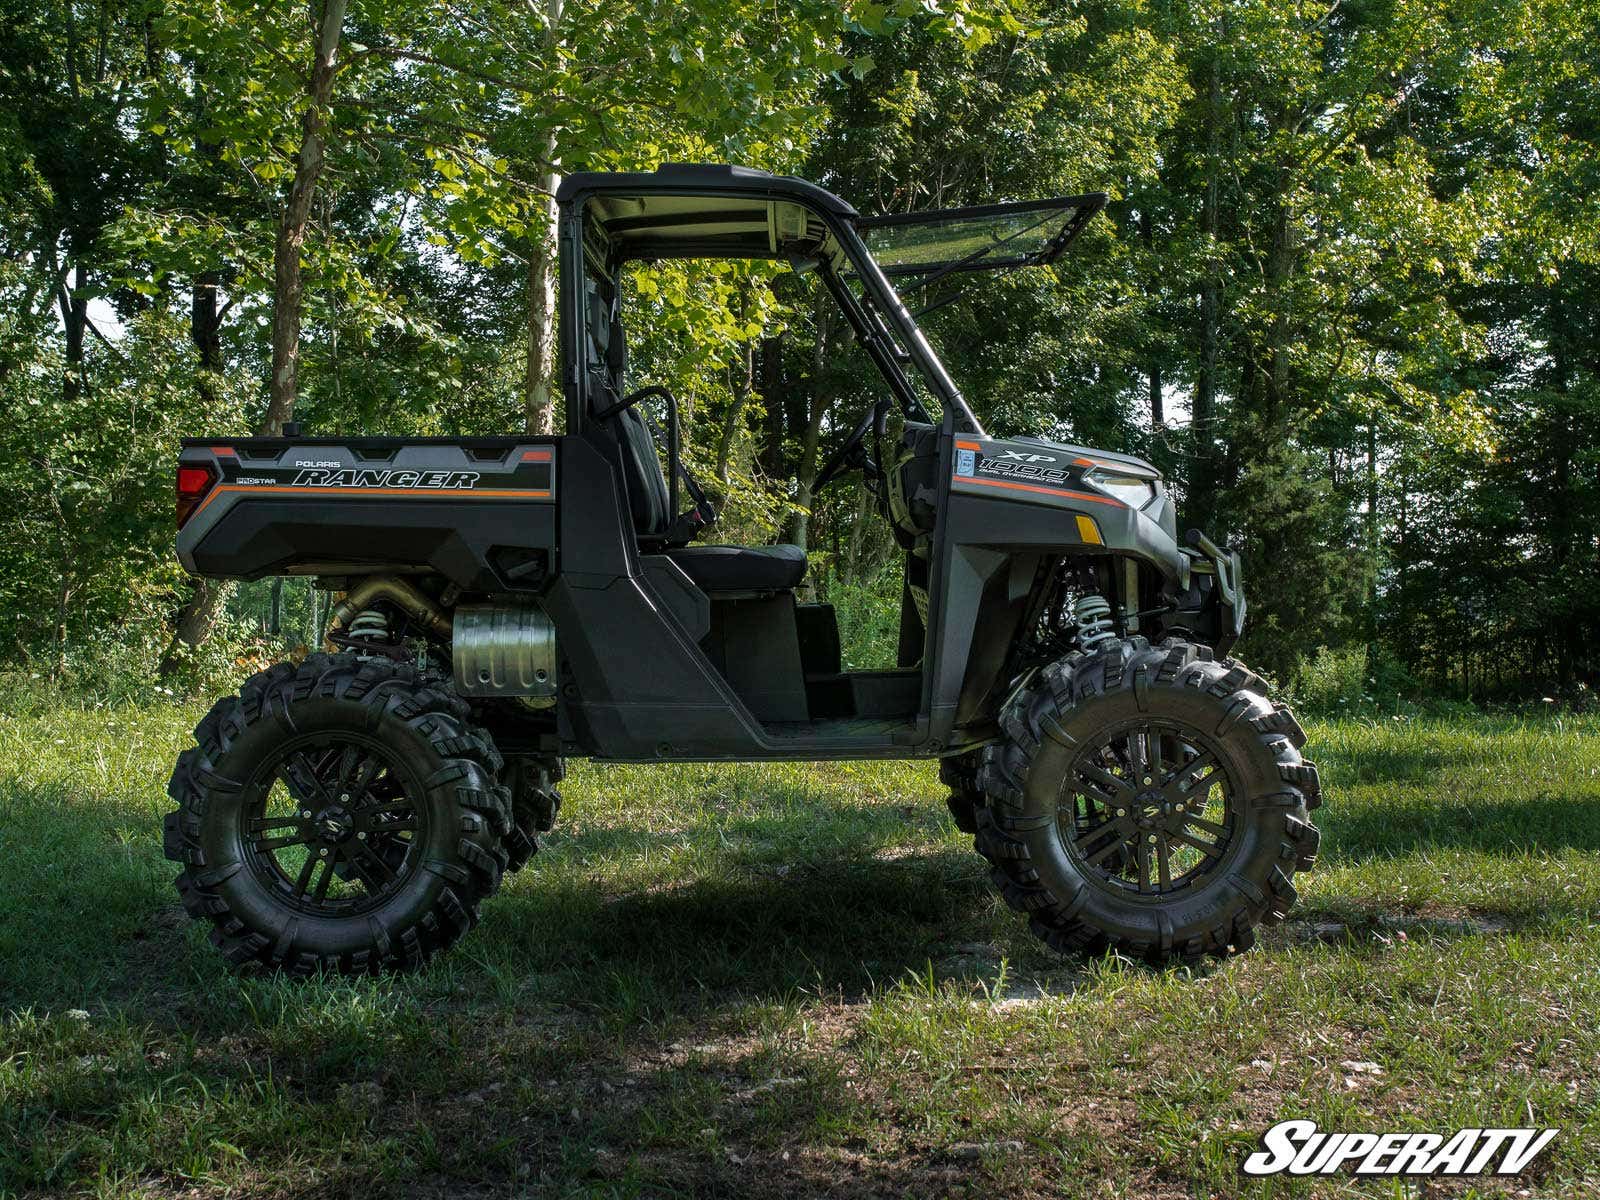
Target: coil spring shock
1093	614
369	625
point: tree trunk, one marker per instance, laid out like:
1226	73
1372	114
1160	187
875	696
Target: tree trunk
806	476
800	518
198	616
75	319
313	617
544	266
1202	487
1147	236
855	557
1281	262
288	294
1372	537
205	317
537	391
205	329
63	598
731	420
195	624
773	400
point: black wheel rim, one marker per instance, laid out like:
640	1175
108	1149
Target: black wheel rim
1149	810
333	825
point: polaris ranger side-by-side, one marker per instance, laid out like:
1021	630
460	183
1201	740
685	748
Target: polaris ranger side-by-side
510	602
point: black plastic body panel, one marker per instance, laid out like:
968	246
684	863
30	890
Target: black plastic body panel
1004	507
464	509
755	645
654	668
640	685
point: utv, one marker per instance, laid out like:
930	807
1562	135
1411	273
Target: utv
511	602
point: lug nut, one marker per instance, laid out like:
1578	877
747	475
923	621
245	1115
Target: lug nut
1177	807
1149	779
306	814
344	798
1152	841
1122	812
361	835
324	850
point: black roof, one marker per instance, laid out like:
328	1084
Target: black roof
712	179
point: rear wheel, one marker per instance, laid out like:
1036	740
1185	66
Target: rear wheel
534	805
341	815
1149	800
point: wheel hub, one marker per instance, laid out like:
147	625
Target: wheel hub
348	840
335	823
1137	803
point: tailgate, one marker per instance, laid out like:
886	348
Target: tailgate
250	507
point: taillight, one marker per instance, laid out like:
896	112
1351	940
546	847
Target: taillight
193	485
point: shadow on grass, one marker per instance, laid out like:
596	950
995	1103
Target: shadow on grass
834	926
91	919
1417	764
543	1053
1541	824
815	901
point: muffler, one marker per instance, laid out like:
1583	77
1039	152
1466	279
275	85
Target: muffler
505	650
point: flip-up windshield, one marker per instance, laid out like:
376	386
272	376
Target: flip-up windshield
977	239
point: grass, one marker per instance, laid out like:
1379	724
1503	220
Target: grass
794	980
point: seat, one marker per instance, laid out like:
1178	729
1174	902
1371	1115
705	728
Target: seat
741	568
649	497
712	568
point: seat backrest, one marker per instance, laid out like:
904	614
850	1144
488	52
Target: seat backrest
647	485
648	494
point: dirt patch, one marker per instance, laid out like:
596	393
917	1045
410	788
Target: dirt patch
1386	928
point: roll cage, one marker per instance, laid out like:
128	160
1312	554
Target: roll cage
687	210
692	211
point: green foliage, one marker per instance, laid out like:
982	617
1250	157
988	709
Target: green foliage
1330	680
1304	579
868	612
1343	294
87	472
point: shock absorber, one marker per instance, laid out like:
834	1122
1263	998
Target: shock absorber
370	625
1093	614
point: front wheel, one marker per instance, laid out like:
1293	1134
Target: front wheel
341	815
1147	799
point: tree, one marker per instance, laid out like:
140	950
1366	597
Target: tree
287	297
1340	295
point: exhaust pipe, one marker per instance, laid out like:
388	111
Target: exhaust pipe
407	596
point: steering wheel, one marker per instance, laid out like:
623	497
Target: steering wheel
850	454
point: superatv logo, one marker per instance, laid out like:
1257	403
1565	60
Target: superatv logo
1298	1148
366	478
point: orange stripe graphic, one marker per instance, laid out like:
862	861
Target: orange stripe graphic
1033	487
435	493
968	446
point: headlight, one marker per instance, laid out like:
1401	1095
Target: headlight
1130	489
